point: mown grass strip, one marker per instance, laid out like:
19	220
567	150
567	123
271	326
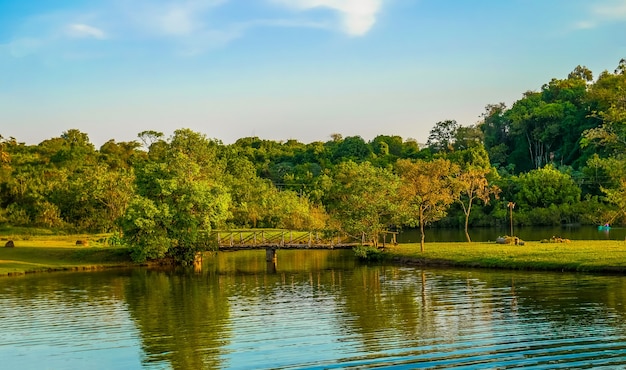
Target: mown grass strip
582	256
59	253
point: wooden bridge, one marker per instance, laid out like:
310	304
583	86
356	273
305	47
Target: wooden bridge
274	240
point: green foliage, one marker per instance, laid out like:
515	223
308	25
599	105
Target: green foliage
367	253
545	187
361	198
442	136
178	201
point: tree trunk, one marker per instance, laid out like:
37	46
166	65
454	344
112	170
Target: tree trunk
422	230
466	231
467	214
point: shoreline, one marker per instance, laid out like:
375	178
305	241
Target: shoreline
584	256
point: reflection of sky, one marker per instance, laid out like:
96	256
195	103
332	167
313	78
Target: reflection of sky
362	316
53	331
292	325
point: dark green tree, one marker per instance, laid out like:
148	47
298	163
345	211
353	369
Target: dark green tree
178	201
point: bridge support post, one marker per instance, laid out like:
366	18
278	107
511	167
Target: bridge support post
270	255
197	262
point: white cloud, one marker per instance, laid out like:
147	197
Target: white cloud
358	16
79	30
610	11
615	10
585	25
23	47
170	18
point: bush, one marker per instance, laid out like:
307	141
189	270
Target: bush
367	253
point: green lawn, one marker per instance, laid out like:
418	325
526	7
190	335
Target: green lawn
50	253
583	255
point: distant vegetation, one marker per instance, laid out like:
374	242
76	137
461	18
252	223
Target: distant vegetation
558	154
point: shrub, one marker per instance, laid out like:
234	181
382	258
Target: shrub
367	253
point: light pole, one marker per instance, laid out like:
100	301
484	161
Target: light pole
511	205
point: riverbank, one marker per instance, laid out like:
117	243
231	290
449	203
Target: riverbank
60	253
577	256
46	253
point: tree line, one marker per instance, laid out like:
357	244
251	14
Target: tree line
558	153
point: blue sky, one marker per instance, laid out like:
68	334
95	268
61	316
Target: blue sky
286	69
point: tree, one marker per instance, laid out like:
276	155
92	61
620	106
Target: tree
473	185
608	101
546	186
609	175
122	154
582	73
361	198
496	129
352	148
426	191
288	210
179	200
150	137
617	196
75	150
5	157
467	137
442	136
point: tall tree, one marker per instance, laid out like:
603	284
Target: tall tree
361	198
608	101
426	191
474	185
179	200
496	129
442	136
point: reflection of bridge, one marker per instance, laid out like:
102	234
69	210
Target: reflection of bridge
273	240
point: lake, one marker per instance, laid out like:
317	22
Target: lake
312	310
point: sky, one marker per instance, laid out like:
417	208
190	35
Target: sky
286	69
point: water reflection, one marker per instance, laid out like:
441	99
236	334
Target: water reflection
314	309
61	321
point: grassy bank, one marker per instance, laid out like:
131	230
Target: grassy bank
582	256
48	252
57	253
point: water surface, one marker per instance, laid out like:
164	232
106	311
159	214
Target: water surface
314	309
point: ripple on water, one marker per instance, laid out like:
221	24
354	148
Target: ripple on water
400	318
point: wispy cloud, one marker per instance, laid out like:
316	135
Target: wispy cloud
357	16
171	18
79	30
610	11
613	10
22	47
184	27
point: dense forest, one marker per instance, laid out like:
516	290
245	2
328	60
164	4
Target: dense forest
558	155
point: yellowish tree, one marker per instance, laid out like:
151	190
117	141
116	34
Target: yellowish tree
473	185
426	191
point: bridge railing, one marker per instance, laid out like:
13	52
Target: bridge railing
279	238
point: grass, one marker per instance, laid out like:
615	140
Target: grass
38	253
582	255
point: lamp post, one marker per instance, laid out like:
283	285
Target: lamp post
511	205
